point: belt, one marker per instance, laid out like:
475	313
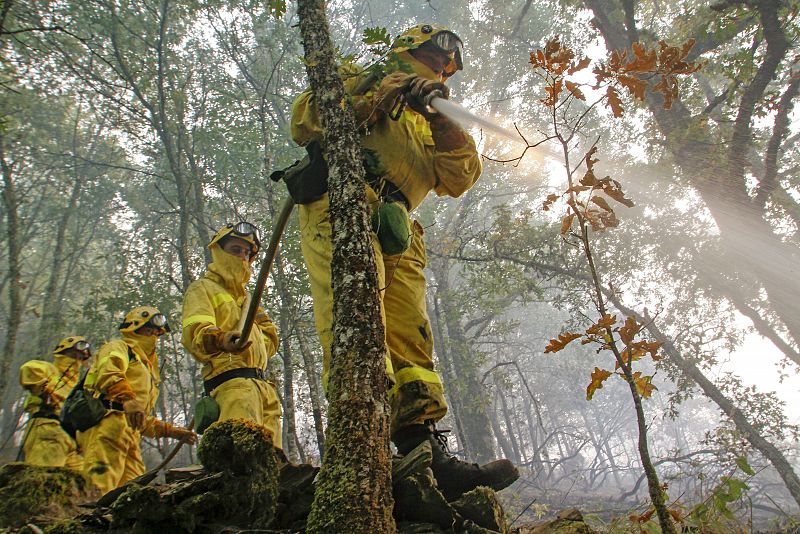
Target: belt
241	372
45	415
389	192
111	405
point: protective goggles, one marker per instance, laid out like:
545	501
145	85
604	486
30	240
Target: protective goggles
449	43
82	345
158	321
246	229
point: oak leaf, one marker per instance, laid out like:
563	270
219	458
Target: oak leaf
575	90
629	330
607	321
600	201
643	61
589	179
613	190
566	223
643	384
614	102
561	341
635	86
598	377
552	92
549	201
580	65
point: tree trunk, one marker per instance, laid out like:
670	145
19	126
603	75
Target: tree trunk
715	161
477	427
11	207
289	422
314	390
354	487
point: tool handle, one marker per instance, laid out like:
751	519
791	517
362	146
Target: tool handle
266	267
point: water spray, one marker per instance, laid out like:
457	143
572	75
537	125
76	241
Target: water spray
463	117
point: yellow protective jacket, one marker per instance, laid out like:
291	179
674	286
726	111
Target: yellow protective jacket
48	381
119	374
405	146
215	302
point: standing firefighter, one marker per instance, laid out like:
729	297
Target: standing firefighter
48	384
125	376
234	377
409	151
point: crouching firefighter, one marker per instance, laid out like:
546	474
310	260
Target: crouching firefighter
234	374
125	377
46	443
412	150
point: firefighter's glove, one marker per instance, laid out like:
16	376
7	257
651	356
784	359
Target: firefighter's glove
134	413
421	90
184	434
216	341
391	87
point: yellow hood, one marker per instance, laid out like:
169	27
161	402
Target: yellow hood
232	272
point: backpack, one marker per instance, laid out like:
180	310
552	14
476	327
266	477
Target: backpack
81	410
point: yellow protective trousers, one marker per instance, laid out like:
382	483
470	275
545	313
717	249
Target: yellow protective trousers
111	452
417	394
47	445
251	399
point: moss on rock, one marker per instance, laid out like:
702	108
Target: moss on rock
66	526
51	493
482	507
238	446
243	449
138	505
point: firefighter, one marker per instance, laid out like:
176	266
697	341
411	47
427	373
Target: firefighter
234	376
48	384
412	150
125	376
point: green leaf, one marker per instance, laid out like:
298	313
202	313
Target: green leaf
741	461
373	36
277	8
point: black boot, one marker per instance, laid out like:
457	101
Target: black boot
454	477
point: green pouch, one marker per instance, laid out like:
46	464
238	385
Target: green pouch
81	411
206	412
390	221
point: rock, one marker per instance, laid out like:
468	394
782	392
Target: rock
417	500
568	521
482	507
29	493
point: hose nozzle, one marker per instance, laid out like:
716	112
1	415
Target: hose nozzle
436	93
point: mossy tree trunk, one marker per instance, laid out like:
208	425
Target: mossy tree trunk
354	490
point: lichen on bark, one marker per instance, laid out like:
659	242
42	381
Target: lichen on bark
354	491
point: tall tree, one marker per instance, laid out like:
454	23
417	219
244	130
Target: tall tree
354	488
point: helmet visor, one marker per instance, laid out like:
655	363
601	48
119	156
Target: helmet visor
449	42
245	229
158	320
